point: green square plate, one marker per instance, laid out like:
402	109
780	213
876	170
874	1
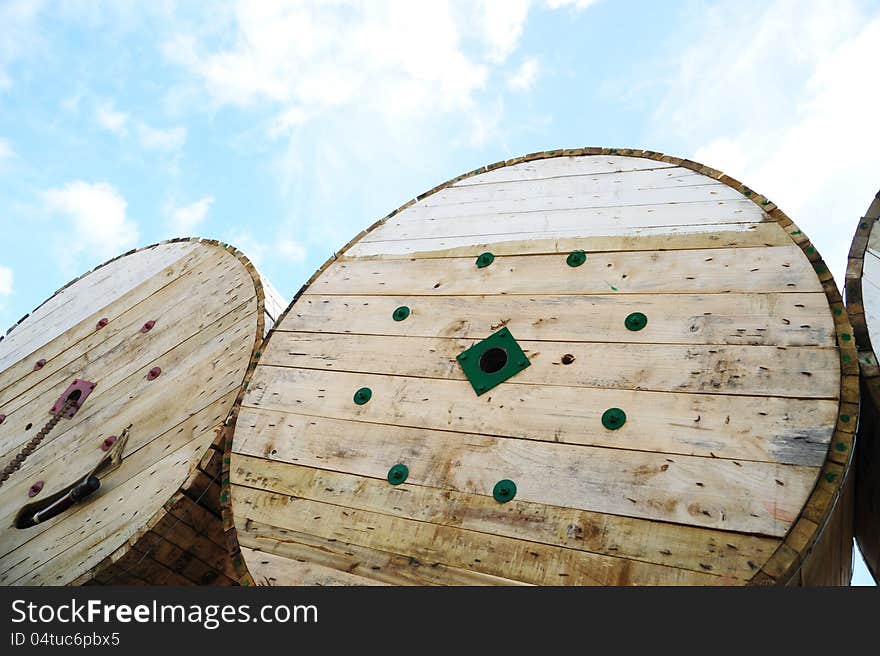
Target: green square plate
492	361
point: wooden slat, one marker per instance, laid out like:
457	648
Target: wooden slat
803	372
134	400
711	193
767	429
494	555
564	166
719	552
595	219
712	493
777	269
197	427
752	319
585	186
113	352
121	283
65	553
370	564
482	238
275	570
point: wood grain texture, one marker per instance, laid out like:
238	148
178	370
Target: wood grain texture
734	391
206	305
863	304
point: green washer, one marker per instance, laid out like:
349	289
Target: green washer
400	313
635	321
398	474
363	395
485	260
504	491
613	418
576	258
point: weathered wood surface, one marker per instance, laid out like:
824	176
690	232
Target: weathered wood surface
155	519
735	391
863	303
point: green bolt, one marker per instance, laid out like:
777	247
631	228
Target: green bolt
830	477
504	490
810	249
613	418
576	258
844	418
400	313
840	446
846	337
398	474
485	260
363	395
838	312
635	321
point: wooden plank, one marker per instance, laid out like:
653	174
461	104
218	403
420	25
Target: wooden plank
564	166
713	493
581	186
776	269
198	426
595	220
720	552
128	279
494	555
769	430
482	238
135	398
67	552
371	564
752	319
803	372
119	347
275	570
513	202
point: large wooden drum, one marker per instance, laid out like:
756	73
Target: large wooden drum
576	367
863	303
114	399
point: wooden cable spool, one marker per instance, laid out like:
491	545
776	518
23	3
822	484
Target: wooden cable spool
863	305
158	341
576	367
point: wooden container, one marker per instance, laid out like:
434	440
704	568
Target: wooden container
863	304
667	395
160	339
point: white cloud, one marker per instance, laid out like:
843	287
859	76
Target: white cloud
185	219
254	249
291	250
19	35
111	119
92	219
579	5
157	139
503	22
792	112
6	151
400	59
524	77
5	281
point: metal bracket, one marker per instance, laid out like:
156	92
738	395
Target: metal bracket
80	390
492	361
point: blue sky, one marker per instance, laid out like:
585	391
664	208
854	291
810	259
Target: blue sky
286	128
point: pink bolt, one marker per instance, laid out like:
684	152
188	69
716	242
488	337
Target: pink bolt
108	442
154	373
35	489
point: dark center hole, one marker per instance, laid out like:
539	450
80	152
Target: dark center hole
493	360
74	395
568	358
